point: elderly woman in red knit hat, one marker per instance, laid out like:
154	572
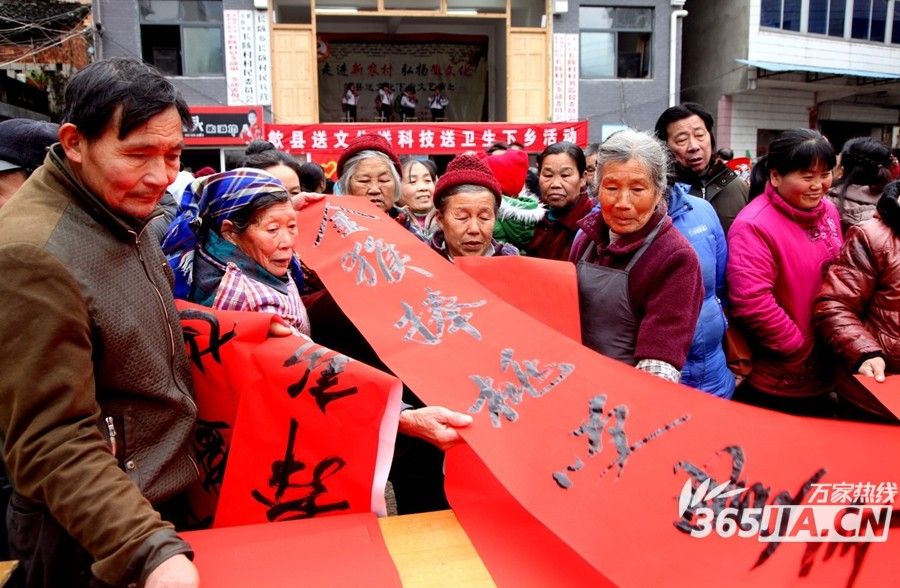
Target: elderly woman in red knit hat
369	168
466	200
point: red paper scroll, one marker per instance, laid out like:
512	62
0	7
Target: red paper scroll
335	551
552	299
617	464
305	431
887	392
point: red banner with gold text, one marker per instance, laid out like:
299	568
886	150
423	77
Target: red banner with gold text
650	483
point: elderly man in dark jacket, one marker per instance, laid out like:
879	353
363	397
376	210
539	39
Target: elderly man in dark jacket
687	130
96	405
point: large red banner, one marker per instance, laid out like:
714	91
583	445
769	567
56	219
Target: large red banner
646	481
425	138
287	428
346	551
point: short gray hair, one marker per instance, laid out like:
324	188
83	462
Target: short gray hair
350	168
629	144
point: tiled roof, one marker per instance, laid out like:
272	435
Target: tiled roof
25	22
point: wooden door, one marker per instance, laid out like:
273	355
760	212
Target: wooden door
527	82
295	85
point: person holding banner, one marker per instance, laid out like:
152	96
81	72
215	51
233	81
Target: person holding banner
96	402
561	169
639	282
779	248
856	310
242	247
467	198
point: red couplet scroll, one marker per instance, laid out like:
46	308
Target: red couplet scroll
287	429
650	483
296	553
887	392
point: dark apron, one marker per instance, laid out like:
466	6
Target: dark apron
608	324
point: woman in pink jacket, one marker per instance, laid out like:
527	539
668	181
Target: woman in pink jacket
778	250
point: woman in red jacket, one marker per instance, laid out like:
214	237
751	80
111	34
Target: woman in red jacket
857	311
561	174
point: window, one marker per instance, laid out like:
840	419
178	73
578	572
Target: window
869	19
826	17
781	14
183	37
895	33
615	42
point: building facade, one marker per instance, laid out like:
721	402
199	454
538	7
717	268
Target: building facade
763	66
628	59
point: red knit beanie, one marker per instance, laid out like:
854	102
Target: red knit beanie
510	169
466	169
367	143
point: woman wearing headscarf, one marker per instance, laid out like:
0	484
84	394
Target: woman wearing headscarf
639	281
466	200
232	246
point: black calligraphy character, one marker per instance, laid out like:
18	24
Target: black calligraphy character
306	506
327	378
216	341
211	453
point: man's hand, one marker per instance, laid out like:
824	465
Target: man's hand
434	424
175	572
300	200
873	367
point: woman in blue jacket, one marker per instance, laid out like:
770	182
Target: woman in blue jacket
706	367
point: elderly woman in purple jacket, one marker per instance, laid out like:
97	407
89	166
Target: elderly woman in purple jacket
639	281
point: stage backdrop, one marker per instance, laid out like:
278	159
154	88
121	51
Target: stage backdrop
369	60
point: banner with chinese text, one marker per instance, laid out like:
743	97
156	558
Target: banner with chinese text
287	429
649	482
369	60
425	138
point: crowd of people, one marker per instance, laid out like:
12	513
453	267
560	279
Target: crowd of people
675	255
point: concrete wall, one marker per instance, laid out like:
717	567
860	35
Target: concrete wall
121	37
633	102
766	109
714	35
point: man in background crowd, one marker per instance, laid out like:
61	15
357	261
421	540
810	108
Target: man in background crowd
687	129
23	146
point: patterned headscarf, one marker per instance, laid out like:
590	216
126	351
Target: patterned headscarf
208	202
